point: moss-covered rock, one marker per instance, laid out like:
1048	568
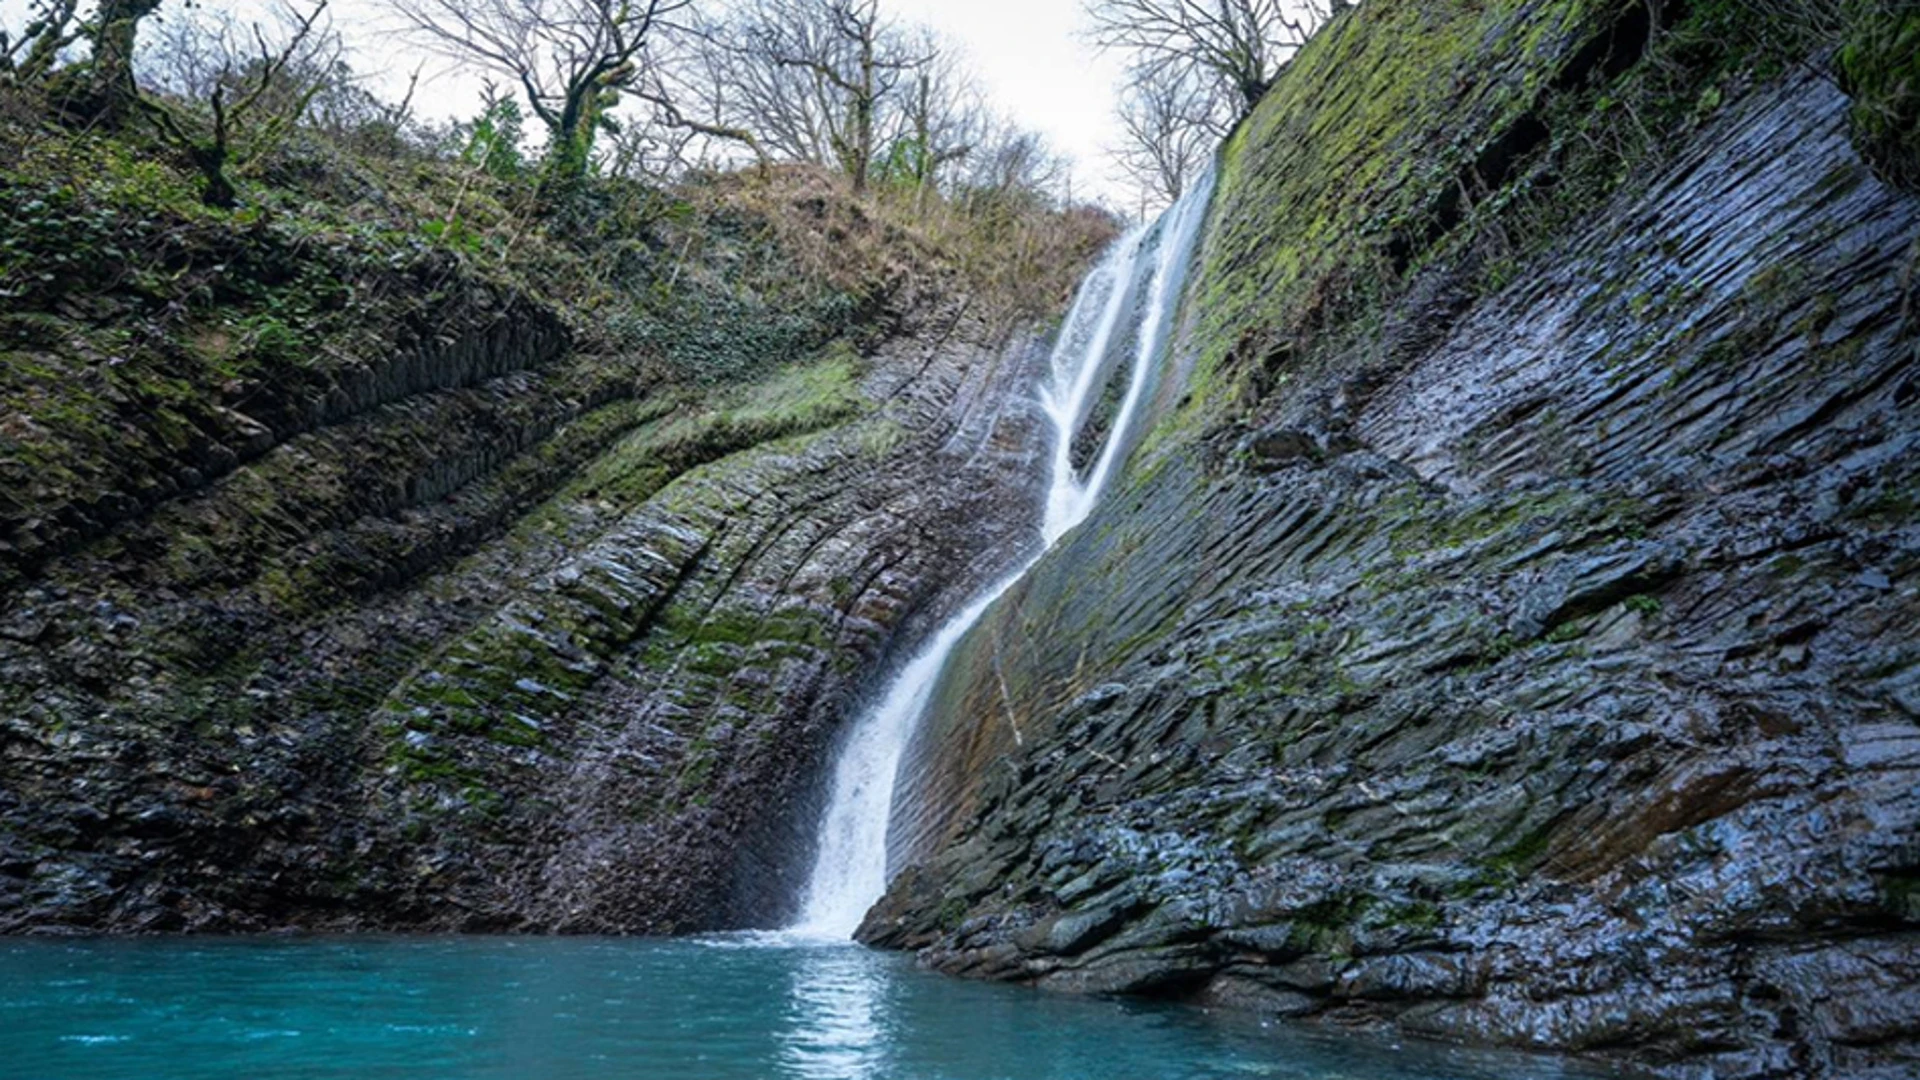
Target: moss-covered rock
1501	635
330	542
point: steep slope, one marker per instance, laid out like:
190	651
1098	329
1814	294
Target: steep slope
354	581
1506	632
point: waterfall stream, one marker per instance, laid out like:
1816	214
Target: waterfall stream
1130	295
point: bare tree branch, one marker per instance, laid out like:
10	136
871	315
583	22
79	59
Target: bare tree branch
1171	120
51	29
264	79
572	58
816	80
1241	43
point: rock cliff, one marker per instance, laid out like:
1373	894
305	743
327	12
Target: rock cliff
1506	632
448	613
1502	629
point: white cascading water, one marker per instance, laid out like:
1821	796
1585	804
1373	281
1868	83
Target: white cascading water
850	870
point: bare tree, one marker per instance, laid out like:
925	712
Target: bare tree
1171	121
676	122
1012	163
186	54
1241	43
261	95
571	57
833	83
816	76
29	56
189	53
722	75
942	119
861	57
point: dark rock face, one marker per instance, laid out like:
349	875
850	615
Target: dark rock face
1499	643
682	677
507	639
1539	669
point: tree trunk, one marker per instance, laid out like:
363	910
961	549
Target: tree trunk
863	114
102	91
211	159
113	45
568	136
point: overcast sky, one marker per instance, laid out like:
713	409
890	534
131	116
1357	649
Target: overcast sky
1028	54
1031	57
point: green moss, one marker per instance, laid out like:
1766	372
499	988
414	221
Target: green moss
505	683
1786	566
684	431
1880	69
1524	853
1326	181
1891	506
1571	630
1900	895
695	773
1455	133
1326	926
1423	522
953	911
1413	915
427	766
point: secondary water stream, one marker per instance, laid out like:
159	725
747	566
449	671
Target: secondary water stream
1129	297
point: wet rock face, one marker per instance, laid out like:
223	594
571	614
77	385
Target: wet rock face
517	641
1540	671
681	680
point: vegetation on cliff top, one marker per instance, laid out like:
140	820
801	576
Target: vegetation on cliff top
153	338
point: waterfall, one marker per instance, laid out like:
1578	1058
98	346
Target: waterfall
850	870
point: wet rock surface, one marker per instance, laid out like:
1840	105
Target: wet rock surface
1539	669
1498	642
517	642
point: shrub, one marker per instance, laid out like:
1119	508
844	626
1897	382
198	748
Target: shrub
1879	65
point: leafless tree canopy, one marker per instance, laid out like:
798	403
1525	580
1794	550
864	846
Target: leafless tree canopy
736	69
570	57
260	93
1171	119
1194	67
816	80
188	54
830	82
646	89
1242	44
709	83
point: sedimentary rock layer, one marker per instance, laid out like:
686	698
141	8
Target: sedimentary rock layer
499	635
1532	661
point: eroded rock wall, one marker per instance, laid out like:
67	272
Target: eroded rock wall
1527	658
502	634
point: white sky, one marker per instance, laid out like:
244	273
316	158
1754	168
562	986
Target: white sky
1027	54
1032	60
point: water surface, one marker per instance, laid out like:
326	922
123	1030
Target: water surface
738	1008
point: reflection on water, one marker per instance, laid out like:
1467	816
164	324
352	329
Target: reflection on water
834	1017
738	1007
